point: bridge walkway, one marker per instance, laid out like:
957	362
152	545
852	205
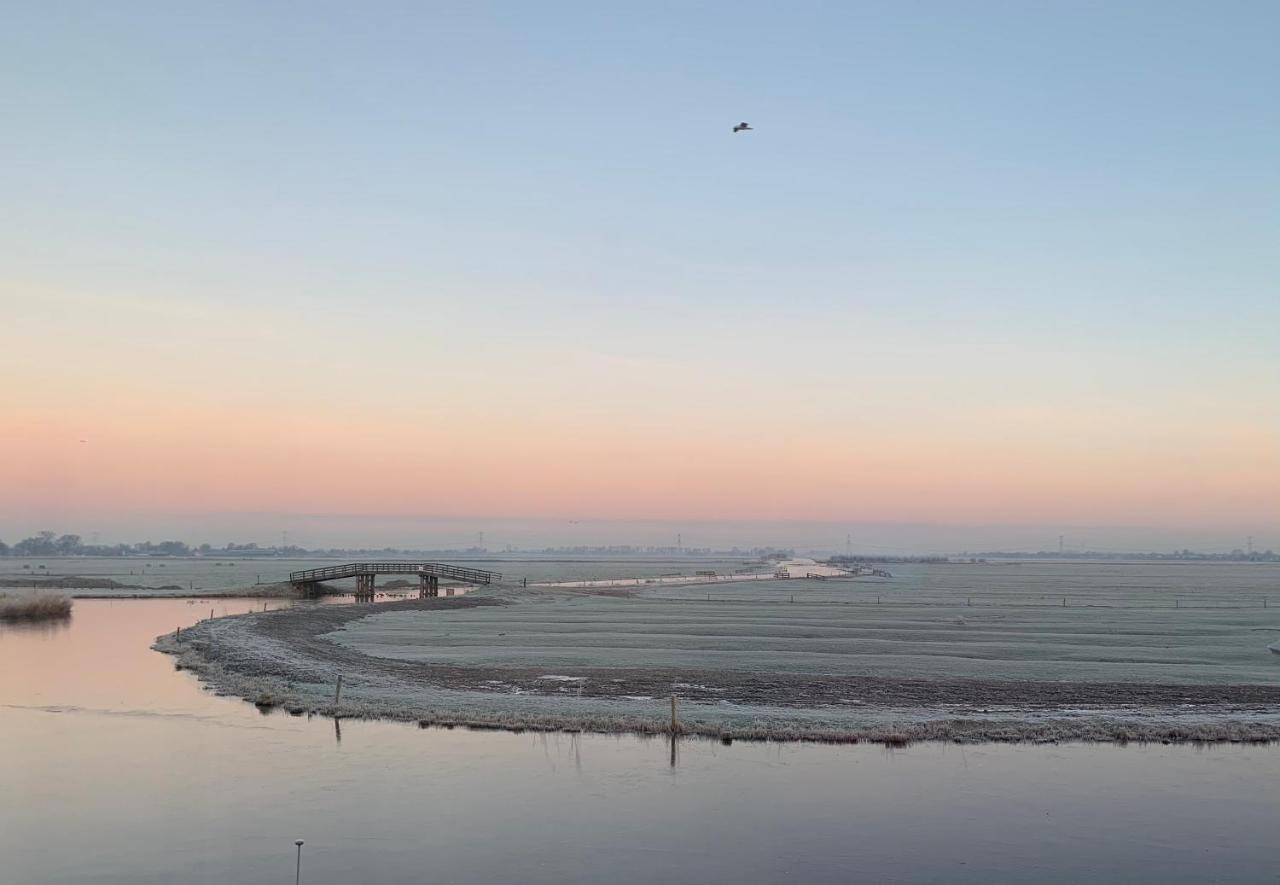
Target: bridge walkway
308	581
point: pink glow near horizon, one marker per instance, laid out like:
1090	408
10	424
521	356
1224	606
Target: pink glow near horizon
142	456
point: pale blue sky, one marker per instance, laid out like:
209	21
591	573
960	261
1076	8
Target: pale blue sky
1014	160
943	205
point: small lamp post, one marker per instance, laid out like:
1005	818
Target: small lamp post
297	873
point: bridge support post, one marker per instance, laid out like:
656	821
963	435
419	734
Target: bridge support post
429	586
364	588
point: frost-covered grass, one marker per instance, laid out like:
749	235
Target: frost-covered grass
1126	659
34	607
370	696
797	568
824	634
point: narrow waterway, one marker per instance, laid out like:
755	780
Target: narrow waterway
115	768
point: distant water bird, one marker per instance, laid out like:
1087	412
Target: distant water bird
742	127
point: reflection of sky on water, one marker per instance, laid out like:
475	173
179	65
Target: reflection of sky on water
118	769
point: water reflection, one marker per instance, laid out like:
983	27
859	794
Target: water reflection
116	769
45	628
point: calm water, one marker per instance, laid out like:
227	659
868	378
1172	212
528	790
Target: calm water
114	768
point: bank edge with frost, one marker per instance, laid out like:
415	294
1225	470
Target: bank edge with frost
454	709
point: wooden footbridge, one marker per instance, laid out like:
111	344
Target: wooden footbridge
308	581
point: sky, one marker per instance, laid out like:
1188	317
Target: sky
978	264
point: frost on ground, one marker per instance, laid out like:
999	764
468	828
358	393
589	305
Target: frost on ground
836	664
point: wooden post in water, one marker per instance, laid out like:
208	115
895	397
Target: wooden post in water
675	718
337	692
211	614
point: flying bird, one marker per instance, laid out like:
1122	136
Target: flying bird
742	127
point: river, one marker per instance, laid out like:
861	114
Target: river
116	768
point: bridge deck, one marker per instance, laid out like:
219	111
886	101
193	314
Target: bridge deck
368	569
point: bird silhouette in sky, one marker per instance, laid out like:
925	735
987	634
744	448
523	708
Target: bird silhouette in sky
742	127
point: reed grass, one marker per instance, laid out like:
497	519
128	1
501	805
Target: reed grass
34	607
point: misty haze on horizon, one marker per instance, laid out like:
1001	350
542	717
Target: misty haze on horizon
318	531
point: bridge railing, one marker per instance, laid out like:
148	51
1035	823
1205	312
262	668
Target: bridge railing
351	569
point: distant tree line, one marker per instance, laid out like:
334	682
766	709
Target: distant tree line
53	544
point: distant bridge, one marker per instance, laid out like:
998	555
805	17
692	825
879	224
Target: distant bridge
308	581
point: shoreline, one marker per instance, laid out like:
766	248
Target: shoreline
288	659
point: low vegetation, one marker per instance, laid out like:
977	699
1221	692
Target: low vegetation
34	608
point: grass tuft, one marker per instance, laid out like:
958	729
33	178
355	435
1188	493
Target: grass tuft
34	608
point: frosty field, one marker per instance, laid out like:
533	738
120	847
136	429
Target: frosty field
764	634
957	651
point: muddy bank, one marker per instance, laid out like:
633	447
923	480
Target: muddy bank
290	659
